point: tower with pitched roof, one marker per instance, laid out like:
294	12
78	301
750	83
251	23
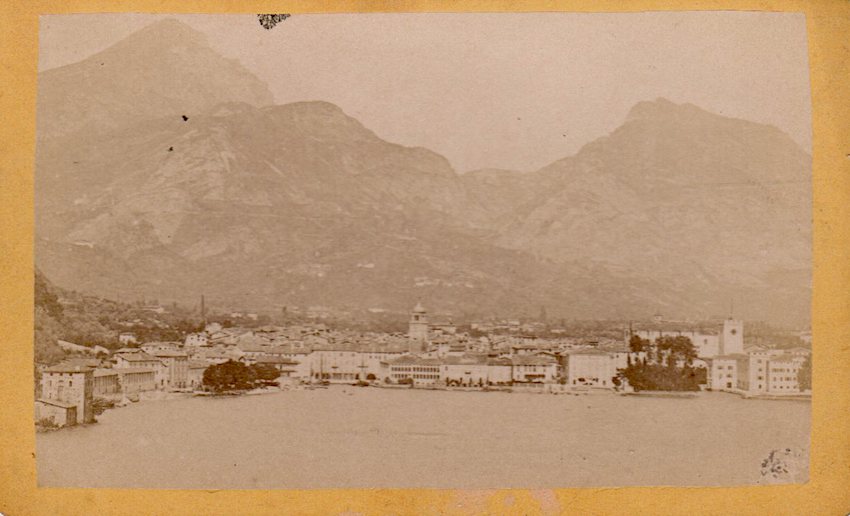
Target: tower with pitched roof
417	329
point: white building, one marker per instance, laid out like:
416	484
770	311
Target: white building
723	372
475	370
753	369
534	369
590	368
782	374
420	371
196	340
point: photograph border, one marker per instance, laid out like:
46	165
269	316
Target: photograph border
828	26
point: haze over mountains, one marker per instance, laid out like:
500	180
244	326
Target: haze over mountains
257	205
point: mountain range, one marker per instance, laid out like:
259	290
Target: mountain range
166	171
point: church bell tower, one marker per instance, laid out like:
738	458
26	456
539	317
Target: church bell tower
417	330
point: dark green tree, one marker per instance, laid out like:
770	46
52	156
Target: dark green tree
804	375
229	377
265	372
637	344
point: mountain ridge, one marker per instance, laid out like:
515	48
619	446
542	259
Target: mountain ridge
302	204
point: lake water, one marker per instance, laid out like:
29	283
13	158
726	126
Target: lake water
369	437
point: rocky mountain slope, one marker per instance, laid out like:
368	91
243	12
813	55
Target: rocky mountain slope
164	69
678	210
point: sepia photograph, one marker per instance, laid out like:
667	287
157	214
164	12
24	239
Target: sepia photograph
423	250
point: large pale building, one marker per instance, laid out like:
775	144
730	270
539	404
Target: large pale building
590	368
418	370
176	367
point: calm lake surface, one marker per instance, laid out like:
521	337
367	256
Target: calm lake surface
369	437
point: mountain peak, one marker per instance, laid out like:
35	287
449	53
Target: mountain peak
170	27
660	108
164	69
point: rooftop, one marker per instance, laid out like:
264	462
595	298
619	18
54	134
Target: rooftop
55	403
63	368
532	360
136	357
414	360
276	360
134	370
167	353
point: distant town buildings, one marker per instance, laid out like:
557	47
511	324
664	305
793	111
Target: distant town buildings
431	354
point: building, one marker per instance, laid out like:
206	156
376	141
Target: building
723	372
707	345
127	338
417	328
137	359
465	370
286	367
71	385
142	360
442	327
421	371
136	380
106	383
195	377
152	347
57	412
195	340
753	369
339	365
590	368
765	371
176	367
534	369
782	374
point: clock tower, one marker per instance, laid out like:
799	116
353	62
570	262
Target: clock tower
732	338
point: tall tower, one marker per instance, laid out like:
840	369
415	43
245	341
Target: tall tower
418	326
732	338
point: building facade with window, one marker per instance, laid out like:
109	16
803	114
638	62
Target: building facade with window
422	371
590	368
723	372
71	385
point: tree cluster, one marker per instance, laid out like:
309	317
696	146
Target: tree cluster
666	365
656	377
234	376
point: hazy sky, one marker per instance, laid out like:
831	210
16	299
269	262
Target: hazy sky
500	90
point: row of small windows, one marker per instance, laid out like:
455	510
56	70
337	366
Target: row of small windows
417	369
416	376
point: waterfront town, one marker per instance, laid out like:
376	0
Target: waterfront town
432	354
